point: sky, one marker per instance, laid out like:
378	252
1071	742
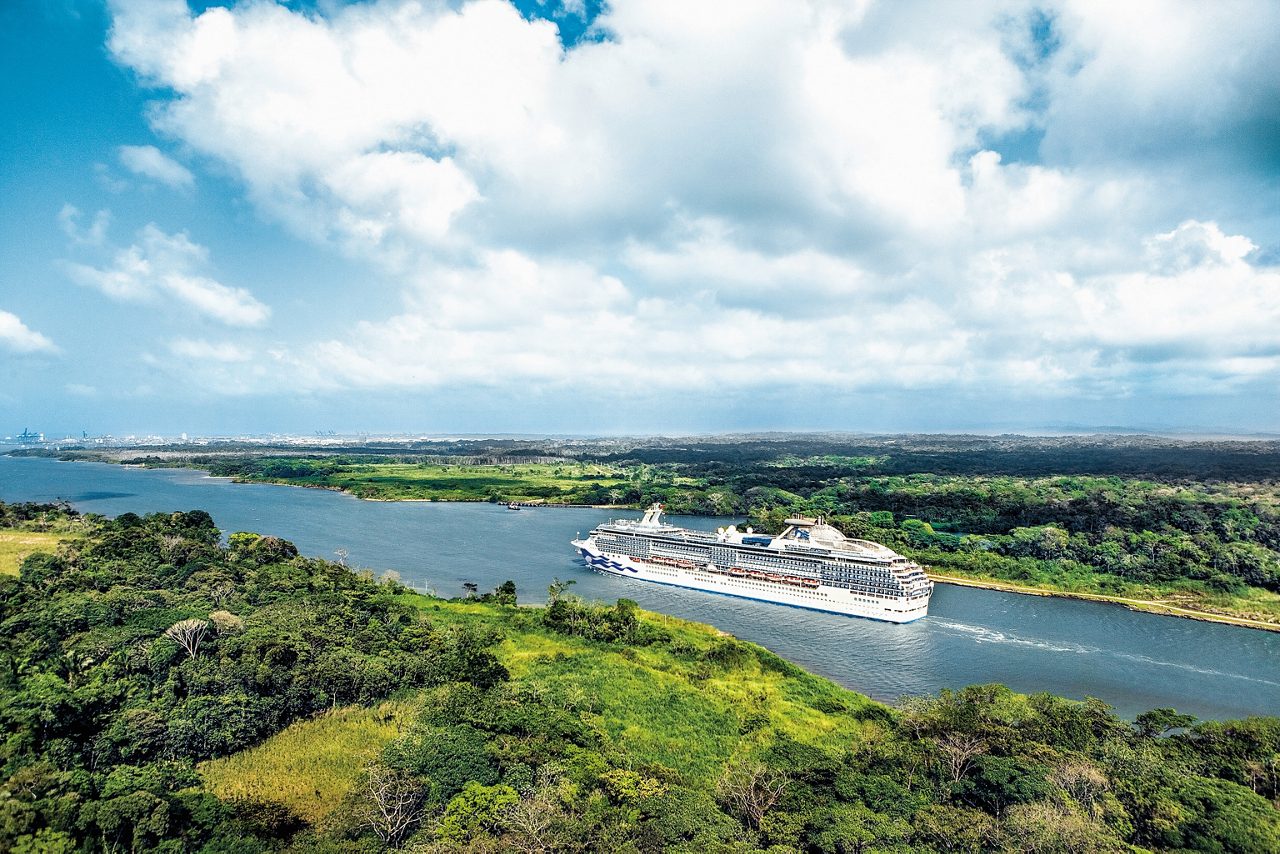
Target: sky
644	216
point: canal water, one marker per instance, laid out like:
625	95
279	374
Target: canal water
1131	660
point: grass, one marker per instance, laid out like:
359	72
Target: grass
310	766
668	703
15	546
559	483
1249	607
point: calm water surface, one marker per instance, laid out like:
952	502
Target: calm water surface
1131	660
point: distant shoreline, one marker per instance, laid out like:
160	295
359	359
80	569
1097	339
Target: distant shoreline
1145	605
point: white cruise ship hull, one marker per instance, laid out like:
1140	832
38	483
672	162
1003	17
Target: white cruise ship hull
835	600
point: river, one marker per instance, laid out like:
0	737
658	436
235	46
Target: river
1133	661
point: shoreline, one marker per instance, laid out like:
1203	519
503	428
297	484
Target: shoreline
1147	606
523	505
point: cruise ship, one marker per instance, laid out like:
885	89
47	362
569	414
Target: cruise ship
809	565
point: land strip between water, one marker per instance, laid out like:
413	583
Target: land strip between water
1147	605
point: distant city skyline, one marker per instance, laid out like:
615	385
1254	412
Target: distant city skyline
650	217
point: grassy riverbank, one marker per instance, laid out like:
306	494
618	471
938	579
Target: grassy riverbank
533	483
537	483
1268	605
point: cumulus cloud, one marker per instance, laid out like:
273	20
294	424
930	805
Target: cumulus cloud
768	193
1195	245
1188	82
167	266
150	162
17	337
764	109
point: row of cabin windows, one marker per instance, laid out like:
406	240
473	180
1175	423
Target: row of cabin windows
862	595
847	577
812	594
863	590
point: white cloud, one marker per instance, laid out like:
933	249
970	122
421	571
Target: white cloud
337	124
150	162
1147	82
187	348
16	337
161	265
1194	245
728	197
403	190
94	235
1189	314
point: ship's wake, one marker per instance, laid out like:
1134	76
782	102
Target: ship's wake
982	634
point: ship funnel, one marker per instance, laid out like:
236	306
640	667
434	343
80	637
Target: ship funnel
653	516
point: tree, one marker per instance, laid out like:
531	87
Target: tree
998	782
625	786
272	550
392	802
225	622
174	547
535	822
188	634
957	829
450	757
1083	781
854	828
557	589
475	809
1045	828
958	751
1157	722
505	593
750	789
44	841
221	592
241	542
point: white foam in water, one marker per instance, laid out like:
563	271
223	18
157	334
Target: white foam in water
1144	659
982	634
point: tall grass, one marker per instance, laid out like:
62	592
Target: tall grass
15	546
310	766
689	703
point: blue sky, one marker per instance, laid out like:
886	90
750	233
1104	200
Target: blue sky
644	217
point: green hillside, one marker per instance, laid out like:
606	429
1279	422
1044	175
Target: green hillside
162	691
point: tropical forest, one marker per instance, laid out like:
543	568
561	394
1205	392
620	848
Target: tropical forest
166	688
